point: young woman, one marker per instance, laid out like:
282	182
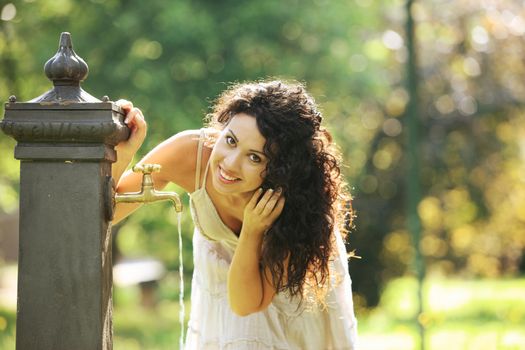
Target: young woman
270	211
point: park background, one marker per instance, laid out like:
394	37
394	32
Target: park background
172	58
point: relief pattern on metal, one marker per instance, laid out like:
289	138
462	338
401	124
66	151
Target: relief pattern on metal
63	131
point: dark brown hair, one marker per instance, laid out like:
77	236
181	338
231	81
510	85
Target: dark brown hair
305	163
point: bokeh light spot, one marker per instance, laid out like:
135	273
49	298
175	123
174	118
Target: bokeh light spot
392	40
8	12
392	127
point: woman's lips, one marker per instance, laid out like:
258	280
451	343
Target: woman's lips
226	178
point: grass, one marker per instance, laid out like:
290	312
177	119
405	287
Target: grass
7	329
458	314
137	327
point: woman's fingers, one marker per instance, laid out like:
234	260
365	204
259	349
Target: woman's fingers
279	207
262	210
264	200
125	105
133	114
255	198
136	123
268	202
269	209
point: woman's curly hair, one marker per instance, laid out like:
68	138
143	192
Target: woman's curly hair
305	163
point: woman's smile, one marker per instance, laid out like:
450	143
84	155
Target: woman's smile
227	177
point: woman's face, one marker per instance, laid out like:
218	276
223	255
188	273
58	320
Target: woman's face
237	162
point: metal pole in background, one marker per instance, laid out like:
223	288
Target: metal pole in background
413	181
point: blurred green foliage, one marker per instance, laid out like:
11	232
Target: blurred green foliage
173	58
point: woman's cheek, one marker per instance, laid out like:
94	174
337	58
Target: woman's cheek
260	174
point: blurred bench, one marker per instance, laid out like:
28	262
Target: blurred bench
144	272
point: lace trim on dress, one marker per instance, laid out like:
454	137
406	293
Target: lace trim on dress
245	342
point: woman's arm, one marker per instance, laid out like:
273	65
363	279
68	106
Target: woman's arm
176	156
125	152
250	289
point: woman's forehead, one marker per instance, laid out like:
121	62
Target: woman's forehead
244	127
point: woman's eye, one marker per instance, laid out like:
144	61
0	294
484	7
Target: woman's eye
255	158
230	140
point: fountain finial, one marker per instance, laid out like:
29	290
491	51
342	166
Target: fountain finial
66	70
66	67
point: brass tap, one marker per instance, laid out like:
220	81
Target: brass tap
148	193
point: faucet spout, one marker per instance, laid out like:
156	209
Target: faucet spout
172	196
148	193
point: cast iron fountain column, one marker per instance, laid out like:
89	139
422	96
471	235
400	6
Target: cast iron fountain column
66	140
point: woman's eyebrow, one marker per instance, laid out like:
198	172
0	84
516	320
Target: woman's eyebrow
255	151
237	140
233	134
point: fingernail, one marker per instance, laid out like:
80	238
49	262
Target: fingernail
279	190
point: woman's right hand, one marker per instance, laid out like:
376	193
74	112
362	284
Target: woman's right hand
138	127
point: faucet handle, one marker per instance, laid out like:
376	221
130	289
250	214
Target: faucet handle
146	168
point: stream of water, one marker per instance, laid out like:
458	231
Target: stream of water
182	312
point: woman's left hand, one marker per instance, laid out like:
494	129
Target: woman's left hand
262	210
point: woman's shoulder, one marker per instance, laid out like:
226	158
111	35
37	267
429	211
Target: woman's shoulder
179	145
190	138
178	155
186	143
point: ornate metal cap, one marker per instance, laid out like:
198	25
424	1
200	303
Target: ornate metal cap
66	69
66	122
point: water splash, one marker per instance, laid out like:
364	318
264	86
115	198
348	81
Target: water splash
182	312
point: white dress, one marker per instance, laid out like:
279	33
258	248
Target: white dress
284	324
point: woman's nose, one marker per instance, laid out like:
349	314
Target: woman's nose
232	161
